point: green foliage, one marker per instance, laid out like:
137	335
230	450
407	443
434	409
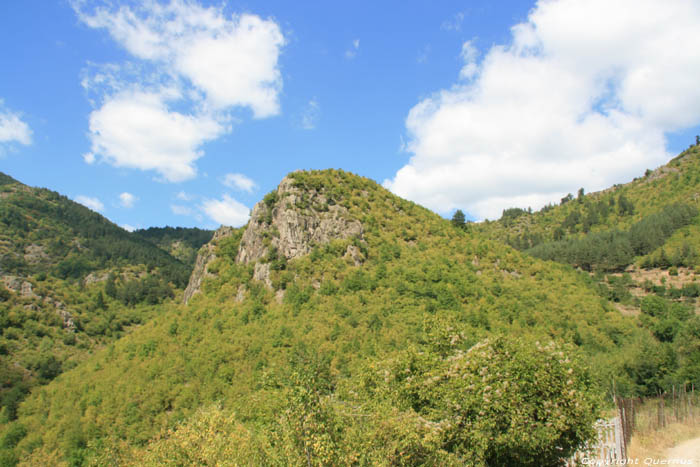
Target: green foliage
70	239
613	250
180	242
458	219
504	401
510	215
233	358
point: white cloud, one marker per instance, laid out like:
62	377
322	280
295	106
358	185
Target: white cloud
352	51
127	227
181	210
182	196
91	202
226	211
137	130
190	58
12	128
239	182
127	200
582	97
310	115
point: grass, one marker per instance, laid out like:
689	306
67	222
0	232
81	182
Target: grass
652	439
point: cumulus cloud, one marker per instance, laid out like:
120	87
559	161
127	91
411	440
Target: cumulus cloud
226	211
137	130
311	114
239	182
128	227
91	202
352	51
187	57
12	128
582	96
127	200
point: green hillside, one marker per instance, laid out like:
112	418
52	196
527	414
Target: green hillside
618	208
180	242
356	347
70	282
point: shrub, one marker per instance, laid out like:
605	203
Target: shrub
505	401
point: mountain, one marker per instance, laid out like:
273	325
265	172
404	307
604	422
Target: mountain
181	243
628	207
640	241
344	324
70	282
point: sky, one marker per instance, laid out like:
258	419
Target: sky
185	113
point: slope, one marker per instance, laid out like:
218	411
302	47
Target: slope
639	242
334	272
70	281
616	208
180	242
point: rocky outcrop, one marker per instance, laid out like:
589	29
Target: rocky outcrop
35	254
205	256
18	285
279	223
94	278
287	224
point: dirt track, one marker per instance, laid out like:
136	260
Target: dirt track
684	453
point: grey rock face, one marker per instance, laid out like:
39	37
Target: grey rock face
288	223
204	258
294	230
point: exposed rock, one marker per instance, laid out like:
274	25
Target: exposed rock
353	253
19	285
13	283
204	258
26	290
93	278
298	230
287	224
279	296
293	231
34	254
262	273
67	320
240	296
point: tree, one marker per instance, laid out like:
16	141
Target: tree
580	196
483	396
458	219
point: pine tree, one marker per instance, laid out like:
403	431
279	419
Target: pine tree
458	219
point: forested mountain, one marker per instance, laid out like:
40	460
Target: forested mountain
70	281
347	325
651	222
180	242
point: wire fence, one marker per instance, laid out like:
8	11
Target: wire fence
636	415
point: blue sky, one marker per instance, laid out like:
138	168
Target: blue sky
187	113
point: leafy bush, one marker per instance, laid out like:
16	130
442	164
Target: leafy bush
504	401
